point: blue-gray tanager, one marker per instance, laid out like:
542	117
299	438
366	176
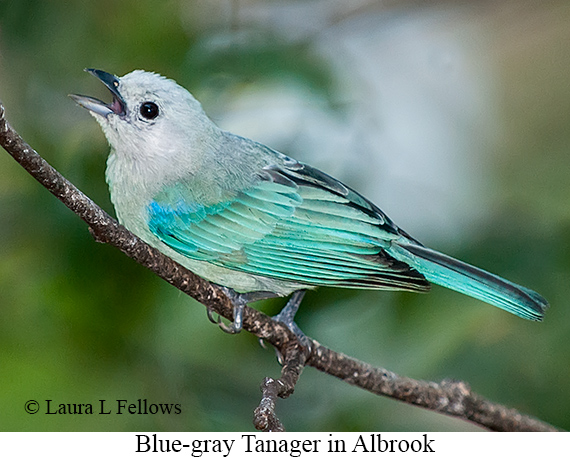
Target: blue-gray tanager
249	218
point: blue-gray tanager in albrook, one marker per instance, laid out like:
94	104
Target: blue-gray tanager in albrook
251	219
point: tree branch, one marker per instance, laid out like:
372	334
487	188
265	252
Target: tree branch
450	397
294	359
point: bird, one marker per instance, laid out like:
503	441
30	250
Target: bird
255	221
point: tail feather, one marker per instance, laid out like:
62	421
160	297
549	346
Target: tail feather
459	276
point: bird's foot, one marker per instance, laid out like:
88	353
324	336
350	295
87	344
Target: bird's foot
239	301
287	317
236	325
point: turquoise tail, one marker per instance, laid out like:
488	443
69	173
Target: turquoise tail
459	276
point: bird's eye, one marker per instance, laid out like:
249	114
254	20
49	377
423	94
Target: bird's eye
149	110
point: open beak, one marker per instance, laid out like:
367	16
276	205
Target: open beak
117	106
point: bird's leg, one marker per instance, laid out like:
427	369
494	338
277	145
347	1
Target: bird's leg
239	302
287	316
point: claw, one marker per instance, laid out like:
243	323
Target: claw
211	317
236	325
231	329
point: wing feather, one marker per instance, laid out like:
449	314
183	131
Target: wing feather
295	224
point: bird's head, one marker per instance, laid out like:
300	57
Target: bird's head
148	115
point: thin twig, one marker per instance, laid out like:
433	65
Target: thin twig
449	397
453	398
294	357
264	417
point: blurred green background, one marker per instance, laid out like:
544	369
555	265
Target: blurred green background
453	117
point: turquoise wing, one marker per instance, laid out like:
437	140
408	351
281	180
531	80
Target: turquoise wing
298	224
295	224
